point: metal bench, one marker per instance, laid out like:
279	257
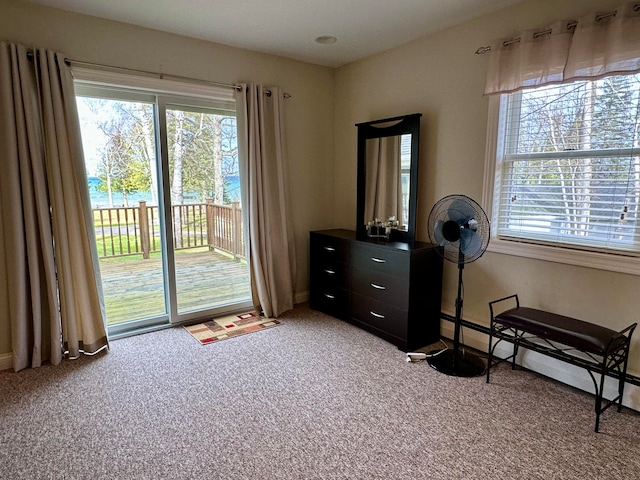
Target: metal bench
597	349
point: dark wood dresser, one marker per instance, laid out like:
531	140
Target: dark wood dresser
391	289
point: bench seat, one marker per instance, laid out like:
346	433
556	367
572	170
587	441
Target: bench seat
581	335
596	348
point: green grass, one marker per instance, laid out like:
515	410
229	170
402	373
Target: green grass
111	218
106	249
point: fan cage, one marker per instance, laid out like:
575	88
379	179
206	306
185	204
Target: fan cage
454	208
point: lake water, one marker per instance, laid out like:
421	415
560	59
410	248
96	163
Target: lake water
100	199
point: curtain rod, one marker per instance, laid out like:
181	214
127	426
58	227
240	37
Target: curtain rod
482	50
161	76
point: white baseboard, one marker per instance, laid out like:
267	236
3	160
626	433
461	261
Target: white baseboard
6	361
550	367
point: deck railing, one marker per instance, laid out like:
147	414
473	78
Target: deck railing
125	231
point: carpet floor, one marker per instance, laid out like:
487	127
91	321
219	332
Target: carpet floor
315	398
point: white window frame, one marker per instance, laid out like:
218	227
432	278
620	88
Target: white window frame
154	84
599	260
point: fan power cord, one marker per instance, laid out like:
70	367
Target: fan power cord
415	357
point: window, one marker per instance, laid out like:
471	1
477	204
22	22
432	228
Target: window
567	170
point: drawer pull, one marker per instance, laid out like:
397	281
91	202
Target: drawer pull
330	249
330	296
377	315
378	260
330	272
379	287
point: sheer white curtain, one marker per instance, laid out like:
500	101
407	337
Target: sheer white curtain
597	45
265	202
50	257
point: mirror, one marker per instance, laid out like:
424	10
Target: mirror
388	176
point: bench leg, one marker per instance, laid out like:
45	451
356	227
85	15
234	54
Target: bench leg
599	392
623	376
490	351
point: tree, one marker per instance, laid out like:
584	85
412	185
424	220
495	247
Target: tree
120	171
125	160
202	151
206	156
582	190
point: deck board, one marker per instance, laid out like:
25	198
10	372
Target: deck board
133	288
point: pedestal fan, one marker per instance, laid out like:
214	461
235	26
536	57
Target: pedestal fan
461	227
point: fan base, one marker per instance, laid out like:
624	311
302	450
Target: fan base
457	364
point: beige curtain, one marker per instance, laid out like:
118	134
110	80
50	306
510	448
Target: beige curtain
597	45
383	193
50	258
265	203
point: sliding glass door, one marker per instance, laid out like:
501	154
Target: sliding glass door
164	186
205	208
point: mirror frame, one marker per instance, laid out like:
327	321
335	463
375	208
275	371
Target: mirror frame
405	124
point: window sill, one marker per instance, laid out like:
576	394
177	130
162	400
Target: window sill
600	261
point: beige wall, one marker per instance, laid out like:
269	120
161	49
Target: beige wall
309	113
441	77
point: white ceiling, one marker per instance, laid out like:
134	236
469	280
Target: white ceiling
288	27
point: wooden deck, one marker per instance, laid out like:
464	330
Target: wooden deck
133	288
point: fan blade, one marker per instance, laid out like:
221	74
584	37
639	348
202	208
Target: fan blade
460	211
470	242
437	233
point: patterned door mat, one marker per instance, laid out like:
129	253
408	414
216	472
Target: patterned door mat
229	327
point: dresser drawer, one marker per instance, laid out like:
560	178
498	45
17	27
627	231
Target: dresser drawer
334	274
383	260
334	301
326	249
379	315
381	287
